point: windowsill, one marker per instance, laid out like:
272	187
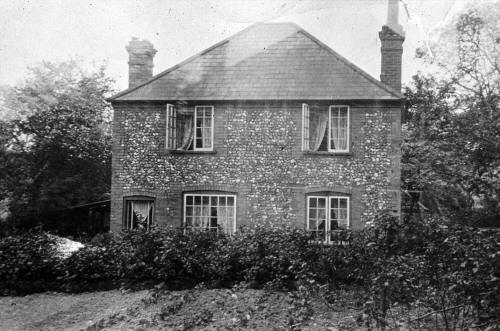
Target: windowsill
180	151
327	153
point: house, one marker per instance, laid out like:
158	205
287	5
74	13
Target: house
269	125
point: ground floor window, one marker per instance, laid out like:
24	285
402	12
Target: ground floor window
213	212
138	213
325	214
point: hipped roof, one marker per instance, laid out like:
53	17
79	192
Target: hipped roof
266	61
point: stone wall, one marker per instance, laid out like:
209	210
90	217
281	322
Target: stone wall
257	156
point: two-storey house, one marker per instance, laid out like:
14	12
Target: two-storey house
268	126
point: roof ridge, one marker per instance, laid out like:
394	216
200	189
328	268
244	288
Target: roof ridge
276	23
350	64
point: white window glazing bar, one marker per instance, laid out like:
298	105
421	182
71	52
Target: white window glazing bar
197	111
338	115
328	204
202	216
305	127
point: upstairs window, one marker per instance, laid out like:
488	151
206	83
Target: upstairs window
138	213
325	215
212	212
325	129
190	129
171	127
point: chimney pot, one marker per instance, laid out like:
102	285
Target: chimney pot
140	64
392	17
392	38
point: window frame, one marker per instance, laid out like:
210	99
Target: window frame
306	115
129	199
209	194
328	197
211	148
306	139
171	127
347	128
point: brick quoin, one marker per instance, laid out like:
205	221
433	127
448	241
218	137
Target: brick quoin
258	128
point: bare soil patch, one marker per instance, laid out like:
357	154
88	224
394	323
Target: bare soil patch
195	309
61	311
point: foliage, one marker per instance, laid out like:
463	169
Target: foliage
93	263
454	115
447	269
451	270
273	257
55	149
27	261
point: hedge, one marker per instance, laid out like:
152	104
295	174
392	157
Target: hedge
431	262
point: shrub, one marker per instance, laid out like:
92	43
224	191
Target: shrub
187	258
27	260
27	257
450	269
274	256
94	263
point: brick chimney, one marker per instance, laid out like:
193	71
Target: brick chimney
392	37
140	63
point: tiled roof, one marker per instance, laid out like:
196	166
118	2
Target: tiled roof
267	61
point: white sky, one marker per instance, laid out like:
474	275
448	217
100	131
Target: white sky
98	31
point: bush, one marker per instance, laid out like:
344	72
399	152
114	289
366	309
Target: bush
271	256
94	263
27	261
27	257
451	270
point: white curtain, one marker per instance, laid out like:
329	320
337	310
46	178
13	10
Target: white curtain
319	123
185	131
338	128
205	216
141	211
207	134
225	219
343	131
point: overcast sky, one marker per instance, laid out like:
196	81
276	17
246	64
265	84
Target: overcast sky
97	31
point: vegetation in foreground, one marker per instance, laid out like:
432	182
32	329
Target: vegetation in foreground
449	272
238	308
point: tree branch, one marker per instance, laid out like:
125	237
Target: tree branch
435	312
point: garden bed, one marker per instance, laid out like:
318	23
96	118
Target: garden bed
196	309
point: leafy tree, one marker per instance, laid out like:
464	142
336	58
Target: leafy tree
55	147
452	145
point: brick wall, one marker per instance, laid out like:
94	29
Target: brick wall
392	51
140	61
257	156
